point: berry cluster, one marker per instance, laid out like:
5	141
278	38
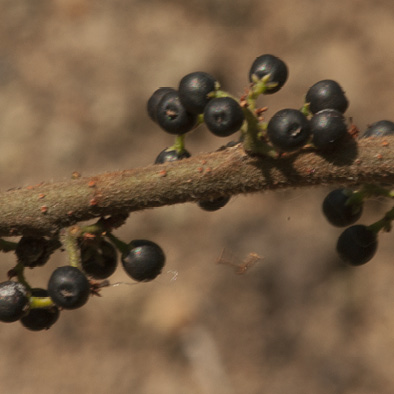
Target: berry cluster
343	207
319	124
93	250
93	254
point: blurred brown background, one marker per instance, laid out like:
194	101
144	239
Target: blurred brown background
75	76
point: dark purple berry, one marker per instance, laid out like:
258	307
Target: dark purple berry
328	127
154	101
144	261
357	245
214	204
338	211
379	129
194	89
34	251
288	130
68	287
172	116
326	94
99	259
170	154
40	318
272	65
14	301
223	116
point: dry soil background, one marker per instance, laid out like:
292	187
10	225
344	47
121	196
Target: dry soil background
74	79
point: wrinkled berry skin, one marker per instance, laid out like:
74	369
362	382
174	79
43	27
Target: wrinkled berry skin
379	129
270	64
99	259
213	204
68	287
337	211
357	245
144	261
39	319
154	100
326	94
169	154
172	116
33	251
14	301
288	129
223	116
194	89
328	127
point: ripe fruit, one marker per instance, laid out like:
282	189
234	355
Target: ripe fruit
172	116
223	116
40	318
379	129
194	89
32	251
154	101
328	127
144	260
170	154
288	129
357	245
326	94
337	210
213	204
14	301
68	287
99	259
272	65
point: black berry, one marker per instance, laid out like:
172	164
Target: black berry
328	127
144	261
288	129
379	129
194	89
99	259
40	318
357	245
14	301
172	116
272	65
213	204
68	287
154	101
326	94
223	116
170	154
33	251
338	211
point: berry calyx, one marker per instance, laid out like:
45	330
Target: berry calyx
40	318
154	100
99	259
338	211
379	129
223	116
144	261
14	301
68	287
326	94
194	89
269	65
172	116
328	127
288	129
171	154
357	245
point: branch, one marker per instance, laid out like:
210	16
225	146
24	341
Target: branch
48	207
